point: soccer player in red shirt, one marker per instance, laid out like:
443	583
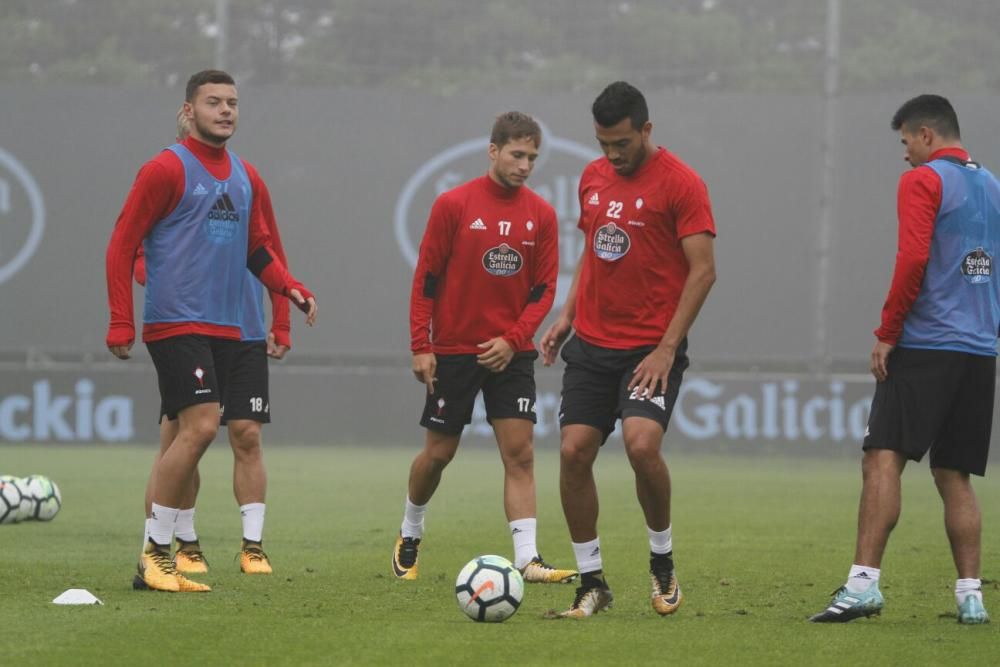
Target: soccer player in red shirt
485	279
934	357
647	267
246	405
194	208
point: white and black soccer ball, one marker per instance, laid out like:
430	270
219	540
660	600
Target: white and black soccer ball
10	501
27	508
45	495
489	588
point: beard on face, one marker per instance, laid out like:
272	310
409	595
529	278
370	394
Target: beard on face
505	180
206	131
634	163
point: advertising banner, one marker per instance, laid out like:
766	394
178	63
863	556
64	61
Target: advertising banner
381	406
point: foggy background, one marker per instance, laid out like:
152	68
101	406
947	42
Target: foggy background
358	113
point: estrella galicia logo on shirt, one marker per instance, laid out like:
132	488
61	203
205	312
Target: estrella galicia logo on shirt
223	220
502	261
977	266
611	243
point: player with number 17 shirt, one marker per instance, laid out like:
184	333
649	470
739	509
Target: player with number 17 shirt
485	279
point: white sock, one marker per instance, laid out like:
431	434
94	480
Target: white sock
523	533
413	520
861	577
145	535
588	555
161	525
966	587
253	521
184	530
660	542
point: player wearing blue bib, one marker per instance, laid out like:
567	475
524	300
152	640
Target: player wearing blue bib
245	407
195	210
935	357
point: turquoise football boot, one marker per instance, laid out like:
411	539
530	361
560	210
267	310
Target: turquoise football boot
972	611
848	605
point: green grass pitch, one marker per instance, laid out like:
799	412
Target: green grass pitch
759	543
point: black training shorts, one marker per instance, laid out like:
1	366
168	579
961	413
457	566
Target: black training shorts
595	386
195	369
187	370
245	383
507	394
938	401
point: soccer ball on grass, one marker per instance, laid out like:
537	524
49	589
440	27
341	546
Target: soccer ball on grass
27	508
10	501
489	588
45	494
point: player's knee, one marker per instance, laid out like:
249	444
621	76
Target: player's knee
439	454
881	462
574	454
440	448
643	451
440	458
519	459
201	431
244	436
949	480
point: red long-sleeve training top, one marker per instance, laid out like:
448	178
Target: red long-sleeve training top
281	325
918	200
156	191
488	264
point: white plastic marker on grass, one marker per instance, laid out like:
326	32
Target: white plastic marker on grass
77	596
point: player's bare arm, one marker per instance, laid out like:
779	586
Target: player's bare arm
307	306
274	350
559	330
880	360
266	263
545	274
424	368
496	354
653	371
121	351
554	337
273	274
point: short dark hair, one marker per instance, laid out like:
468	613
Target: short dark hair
515	125
199	79
932	111
620	100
